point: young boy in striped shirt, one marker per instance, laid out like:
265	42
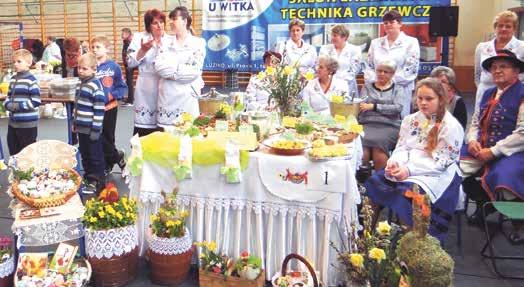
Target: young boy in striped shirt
89	116
23	99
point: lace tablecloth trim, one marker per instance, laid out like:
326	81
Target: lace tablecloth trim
300	210
111	242
50	233
170	246
7	268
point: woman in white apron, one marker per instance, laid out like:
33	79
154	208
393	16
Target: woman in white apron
179	64
141	53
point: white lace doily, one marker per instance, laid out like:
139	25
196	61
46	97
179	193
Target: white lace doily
7	268
111	242
170	246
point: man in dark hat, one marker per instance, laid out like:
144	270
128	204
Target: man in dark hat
495	140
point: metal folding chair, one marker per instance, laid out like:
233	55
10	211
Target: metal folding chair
507	209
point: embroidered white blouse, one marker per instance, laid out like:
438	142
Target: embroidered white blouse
432	172
180	69
349	63
484	50
318	99
306	56
146	89
256	96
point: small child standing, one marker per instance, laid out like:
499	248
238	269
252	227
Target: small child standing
88	119
110	75
23	99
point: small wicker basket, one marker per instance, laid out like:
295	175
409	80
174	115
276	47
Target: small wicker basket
52	201
283	272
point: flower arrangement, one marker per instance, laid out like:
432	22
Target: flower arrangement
371	257
210	261
284	84
169	221
224	111
248	266
109	210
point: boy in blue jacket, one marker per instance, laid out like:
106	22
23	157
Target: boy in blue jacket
23	99
115	89
88	122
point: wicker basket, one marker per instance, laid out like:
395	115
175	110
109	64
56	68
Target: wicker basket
316	282
210	279
344	109
115	271
52	201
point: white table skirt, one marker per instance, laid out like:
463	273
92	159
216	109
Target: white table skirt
247	216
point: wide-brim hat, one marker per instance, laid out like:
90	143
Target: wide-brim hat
505	55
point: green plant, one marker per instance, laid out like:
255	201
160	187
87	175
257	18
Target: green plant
304	128
201	121
21	174
247	260
169	221
192	131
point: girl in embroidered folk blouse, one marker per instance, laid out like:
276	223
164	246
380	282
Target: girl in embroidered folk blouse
426	154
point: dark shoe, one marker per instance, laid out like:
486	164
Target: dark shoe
122	161
515	238
89	187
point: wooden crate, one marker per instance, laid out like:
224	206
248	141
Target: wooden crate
210	279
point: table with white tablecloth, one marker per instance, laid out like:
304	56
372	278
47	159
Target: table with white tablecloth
284	204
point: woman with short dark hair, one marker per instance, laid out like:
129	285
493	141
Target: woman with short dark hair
296	50
402	49
141	53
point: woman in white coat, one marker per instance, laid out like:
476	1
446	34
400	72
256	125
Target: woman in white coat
295	50
318	92
349	57
402	49
179	64
505	25
141	53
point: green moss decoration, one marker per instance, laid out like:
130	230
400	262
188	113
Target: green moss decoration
428	264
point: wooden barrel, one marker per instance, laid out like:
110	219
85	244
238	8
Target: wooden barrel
116	271
170	270
7	281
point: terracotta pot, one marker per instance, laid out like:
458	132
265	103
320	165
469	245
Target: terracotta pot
170	259
116	271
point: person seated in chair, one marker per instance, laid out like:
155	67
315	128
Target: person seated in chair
495	140
456	105
426	154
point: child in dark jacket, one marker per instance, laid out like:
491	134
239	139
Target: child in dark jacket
110	75
23	99
88	122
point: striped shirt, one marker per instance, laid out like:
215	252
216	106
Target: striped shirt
23	99
89	107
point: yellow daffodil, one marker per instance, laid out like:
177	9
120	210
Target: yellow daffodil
170	223
119	216
212	246
288	70
101	214
270	71
152	218
383	228
261	75
377	254
337	99
226	108
357	260
309	75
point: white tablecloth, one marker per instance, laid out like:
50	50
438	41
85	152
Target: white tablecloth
256	214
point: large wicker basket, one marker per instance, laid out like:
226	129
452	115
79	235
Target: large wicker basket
52	201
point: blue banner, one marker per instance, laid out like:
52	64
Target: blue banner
238	32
